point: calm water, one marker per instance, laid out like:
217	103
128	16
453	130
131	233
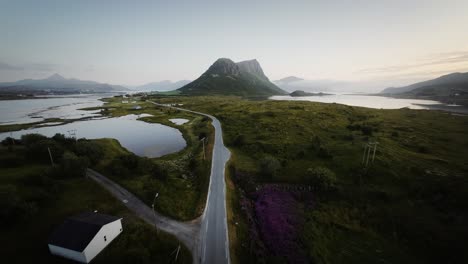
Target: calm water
143	139
34	110
378	102
179	121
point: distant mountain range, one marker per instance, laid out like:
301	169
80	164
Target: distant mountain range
58	84
161	86
293	83
225	77
450	88
288	80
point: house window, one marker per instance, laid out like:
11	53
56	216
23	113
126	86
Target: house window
105	238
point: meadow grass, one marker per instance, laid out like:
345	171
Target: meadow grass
51	200
408	206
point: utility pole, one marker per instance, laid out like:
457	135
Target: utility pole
72	133
203	141
50	155
368	148
364	154
177	253
375	149
368	154
154	213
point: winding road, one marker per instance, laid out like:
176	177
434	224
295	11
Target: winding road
207	236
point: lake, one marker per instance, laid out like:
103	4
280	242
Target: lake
179	121
144	139
378	102
35	110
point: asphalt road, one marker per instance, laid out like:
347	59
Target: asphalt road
214	240
187	232
207	236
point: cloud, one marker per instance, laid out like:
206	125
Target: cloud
8	67
445	58
35	67
42	67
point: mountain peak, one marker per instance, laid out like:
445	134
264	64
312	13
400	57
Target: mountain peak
56	77
252	67
225	77
223	66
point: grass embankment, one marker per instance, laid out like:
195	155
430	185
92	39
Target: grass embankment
16	127
181	178
408	206
35	200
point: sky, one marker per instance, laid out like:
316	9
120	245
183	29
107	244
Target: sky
384	43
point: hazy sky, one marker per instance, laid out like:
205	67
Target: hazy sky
134	42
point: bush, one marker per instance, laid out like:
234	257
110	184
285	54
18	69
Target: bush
158	172
321	178
11	209
74	166
9	141
324	153
29	139
129	161
38	150
117	168
239	141
367	130
89	149
269	166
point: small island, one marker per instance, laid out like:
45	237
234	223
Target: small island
299	93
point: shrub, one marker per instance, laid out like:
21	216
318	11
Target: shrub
89	149
269	166
29	139
324	153
10	204
367	130
117	168
158	172
74	166
129	161
239	140
9	141
38	150
321	178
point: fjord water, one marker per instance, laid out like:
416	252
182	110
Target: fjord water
378	102
144	139
35	110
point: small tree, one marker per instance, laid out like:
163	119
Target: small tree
321	178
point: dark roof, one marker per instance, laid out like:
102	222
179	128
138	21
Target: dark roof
95	218
77	231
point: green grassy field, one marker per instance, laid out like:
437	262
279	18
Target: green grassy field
408	206
181	178
34	202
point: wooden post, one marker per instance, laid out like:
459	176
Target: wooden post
50	155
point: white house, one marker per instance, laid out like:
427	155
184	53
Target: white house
82	237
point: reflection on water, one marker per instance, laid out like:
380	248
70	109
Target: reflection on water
35	110
179	121
144	139
378	102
